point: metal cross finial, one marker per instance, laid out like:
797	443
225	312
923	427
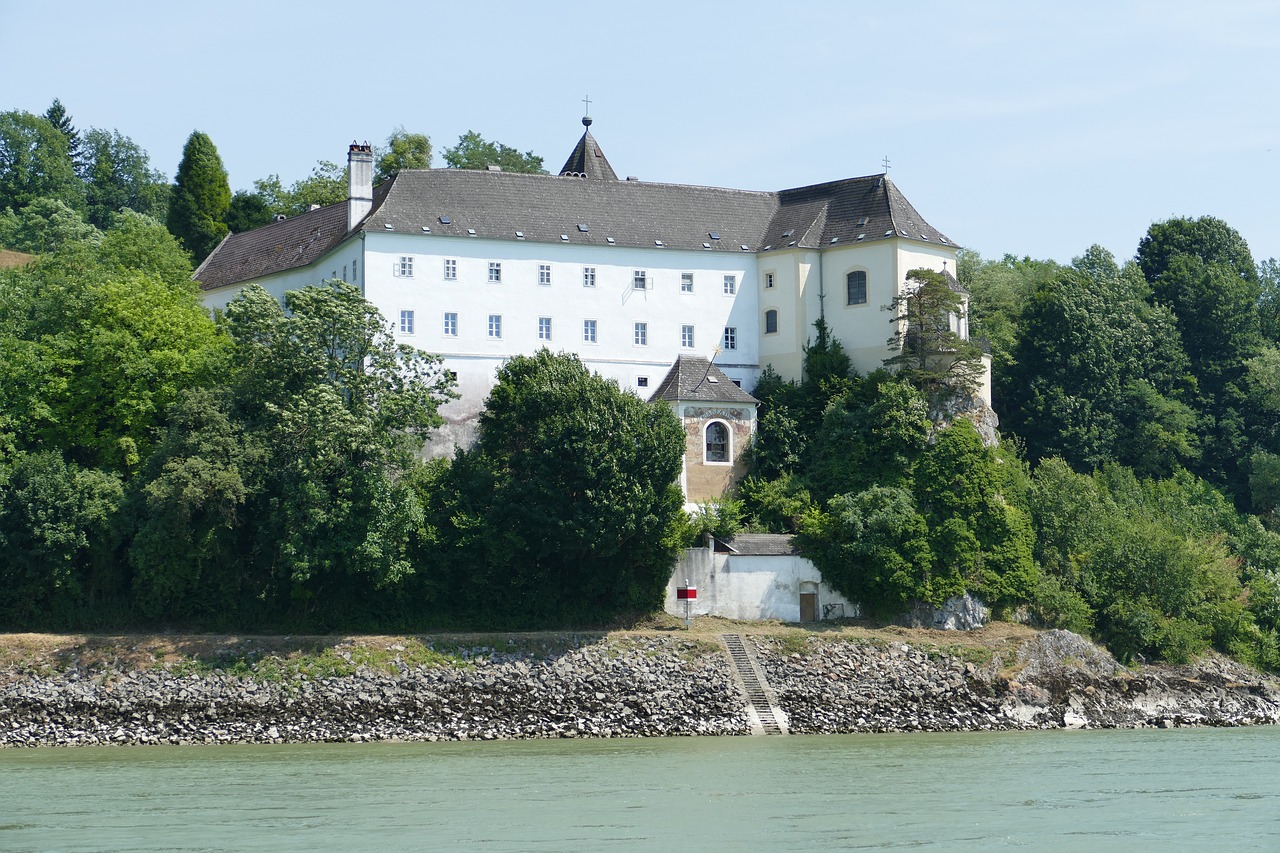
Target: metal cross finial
886	163
586	106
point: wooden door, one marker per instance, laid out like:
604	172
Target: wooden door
808	607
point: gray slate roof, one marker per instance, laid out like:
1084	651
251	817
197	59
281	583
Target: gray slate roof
278	246
759	545
588	160
543	208
695	379
497	205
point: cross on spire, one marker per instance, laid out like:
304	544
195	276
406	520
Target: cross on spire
885	163
586	106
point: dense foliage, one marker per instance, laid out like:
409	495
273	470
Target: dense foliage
473	151
567	505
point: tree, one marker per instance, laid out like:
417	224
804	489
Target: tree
118	176
1098	374
1210	240
45	225
870	436
931	354
141	243
288	479
34	163
873	547
57	526
249	210
93	351
327	184
567	507
201	197
57	116
473	151
404	151
1269	299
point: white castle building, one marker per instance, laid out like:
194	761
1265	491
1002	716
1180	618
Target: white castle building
629	275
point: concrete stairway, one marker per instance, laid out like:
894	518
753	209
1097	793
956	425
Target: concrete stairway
763	713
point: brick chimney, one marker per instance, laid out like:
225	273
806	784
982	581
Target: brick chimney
359	183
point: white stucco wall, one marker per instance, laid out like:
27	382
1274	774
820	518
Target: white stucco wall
739	587
345	260
520	299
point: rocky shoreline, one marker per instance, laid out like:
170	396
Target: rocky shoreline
628	687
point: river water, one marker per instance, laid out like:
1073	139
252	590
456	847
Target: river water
1179	790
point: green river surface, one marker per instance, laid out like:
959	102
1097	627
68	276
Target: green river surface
1166	790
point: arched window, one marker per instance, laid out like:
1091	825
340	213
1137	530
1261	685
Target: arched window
771	321
856	288
717	442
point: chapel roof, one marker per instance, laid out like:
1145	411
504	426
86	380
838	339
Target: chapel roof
695	379
587	159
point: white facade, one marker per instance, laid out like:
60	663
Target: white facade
738	586
469	287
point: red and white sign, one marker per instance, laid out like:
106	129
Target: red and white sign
686	593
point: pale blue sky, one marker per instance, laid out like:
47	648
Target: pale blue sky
1021	127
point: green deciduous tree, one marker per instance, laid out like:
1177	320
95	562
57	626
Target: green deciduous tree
45	225
1097	374
249	210
201	197
57	536
404	150
1208	239
567	507
473	151
288	477
118	176
34	163
94	347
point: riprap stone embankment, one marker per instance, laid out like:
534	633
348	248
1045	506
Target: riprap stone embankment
630	687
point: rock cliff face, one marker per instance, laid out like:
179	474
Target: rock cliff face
630	687
973	408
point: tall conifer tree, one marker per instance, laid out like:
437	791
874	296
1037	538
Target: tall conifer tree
201	197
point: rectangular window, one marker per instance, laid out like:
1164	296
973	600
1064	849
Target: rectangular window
404	267
544	273
730	285
730	337
639	280
544	328
686	337
768	280
856	288
450	269
451	324
642	381
588	276
686	282
355	272
588	331
495	271
344	273
771	322
495	325
406	322
642	335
